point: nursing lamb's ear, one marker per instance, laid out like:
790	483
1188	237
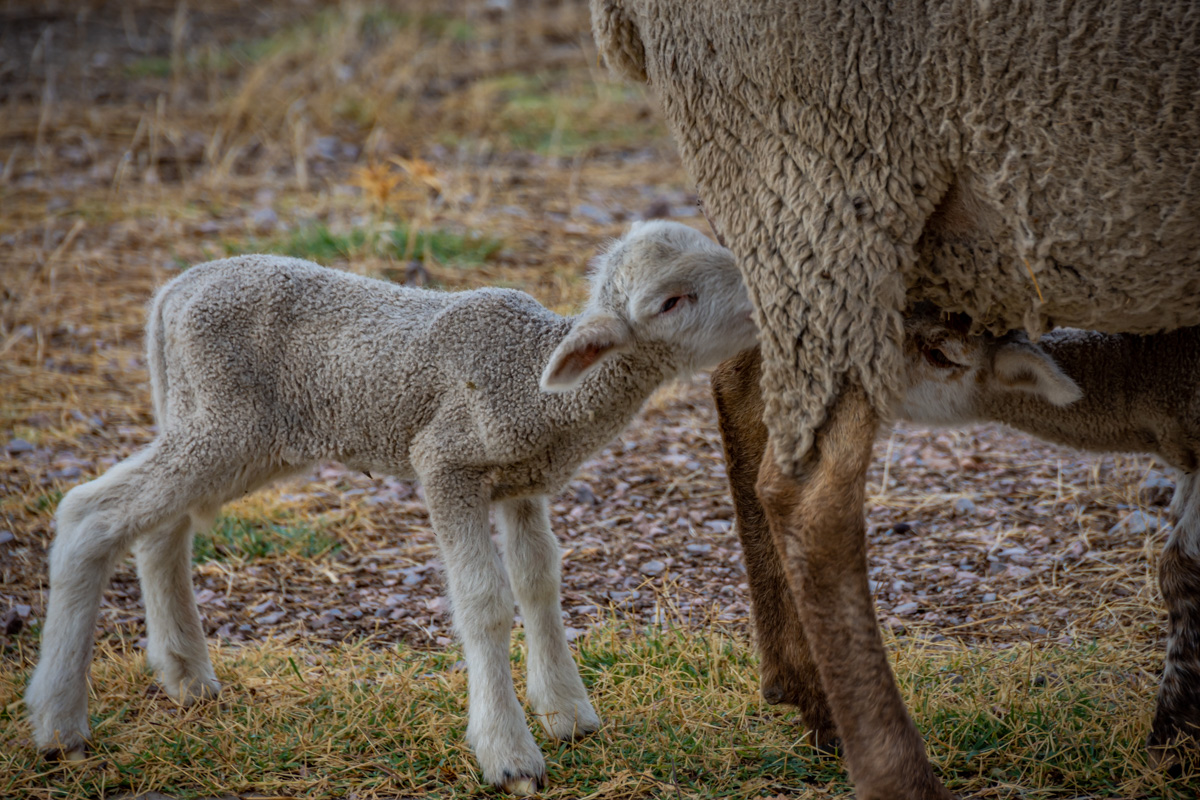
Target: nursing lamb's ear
592	339
1025	367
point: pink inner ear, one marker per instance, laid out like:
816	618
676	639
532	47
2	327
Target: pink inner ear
579	360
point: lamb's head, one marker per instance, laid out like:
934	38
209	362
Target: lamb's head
662	283
952	374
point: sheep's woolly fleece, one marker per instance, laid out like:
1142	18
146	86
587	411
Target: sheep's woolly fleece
1031	164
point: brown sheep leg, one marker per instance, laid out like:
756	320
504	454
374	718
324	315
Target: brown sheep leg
1176	727
788	672
819	527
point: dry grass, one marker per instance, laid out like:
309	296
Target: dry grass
438	142
682	720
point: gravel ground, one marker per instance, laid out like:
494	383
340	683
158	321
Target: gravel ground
982	535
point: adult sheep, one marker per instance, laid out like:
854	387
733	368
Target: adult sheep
1029	164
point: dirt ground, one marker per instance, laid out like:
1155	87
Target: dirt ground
137	138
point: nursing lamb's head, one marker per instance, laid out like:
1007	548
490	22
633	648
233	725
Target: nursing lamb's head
663	284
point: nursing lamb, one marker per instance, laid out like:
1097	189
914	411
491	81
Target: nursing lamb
1092	391
263	365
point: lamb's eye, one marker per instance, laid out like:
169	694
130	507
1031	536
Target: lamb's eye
938	359
670	303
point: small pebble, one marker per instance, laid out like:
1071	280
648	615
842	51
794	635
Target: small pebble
699	549
652	568
989	598
594	213
964	506
1156	490
18	446
904	609
265	219
584	494
1138	522
6	537
1017	572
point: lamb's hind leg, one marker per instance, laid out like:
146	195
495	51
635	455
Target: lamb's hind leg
1175	731
97	522
787	670
482	604
177	649
532	557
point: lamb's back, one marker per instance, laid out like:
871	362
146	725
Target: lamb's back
298	357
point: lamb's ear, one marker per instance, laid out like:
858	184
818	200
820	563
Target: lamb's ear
1025	367
592	339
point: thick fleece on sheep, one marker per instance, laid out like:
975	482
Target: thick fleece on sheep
1032	164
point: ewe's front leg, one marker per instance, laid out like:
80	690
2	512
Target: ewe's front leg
818	525
534	569
483	616
1175	731
788	672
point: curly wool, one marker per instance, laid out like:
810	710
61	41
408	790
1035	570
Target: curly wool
1031	164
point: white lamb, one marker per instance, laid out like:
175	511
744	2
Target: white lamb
263	365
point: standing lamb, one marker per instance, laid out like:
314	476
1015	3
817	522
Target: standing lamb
262	365
1093	391
1031	164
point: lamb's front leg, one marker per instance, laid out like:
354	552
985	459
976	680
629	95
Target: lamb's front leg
533	561
482	604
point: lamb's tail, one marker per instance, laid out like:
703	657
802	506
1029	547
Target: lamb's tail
156	358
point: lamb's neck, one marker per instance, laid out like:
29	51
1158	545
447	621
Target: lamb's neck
610	397
1131	397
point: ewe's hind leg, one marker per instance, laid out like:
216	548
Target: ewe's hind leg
786	666
177	649
818	525
534	570
97	523
483	616
1176	724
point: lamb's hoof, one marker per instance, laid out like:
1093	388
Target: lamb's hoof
512	763
565	726
67	755
524	785
187	692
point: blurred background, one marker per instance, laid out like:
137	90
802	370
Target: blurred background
456	144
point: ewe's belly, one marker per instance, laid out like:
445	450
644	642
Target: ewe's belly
1015	254
1002	290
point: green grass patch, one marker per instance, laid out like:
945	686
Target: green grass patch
682	712
318	243
235	538
564	113
45	503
